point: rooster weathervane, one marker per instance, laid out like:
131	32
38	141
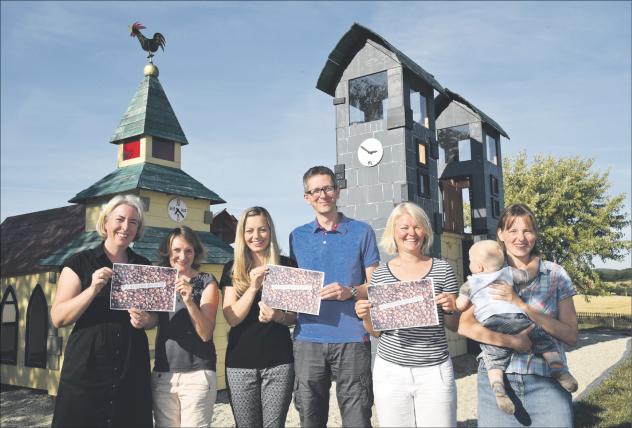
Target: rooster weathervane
148	45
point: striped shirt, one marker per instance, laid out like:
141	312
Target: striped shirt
417	346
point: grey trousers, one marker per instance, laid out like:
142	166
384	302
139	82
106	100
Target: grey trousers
260	397
349	364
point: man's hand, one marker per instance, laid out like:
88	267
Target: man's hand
335	291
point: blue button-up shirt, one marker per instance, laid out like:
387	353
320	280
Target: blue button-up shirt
343	255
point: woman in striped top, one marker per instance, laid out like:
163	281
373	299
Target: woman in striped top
413	380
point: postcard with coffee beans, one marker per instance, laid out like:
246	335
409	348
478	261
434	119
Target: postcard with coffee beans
403	304
147	288
292	289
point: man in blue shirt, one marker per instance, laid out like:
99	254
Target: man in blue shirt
333	344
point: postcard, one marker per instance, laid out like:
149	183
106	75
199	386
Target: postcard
403	305
292	289
143	287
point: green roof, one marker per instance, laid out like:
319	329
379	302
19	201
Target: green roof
443	100
148	176
149	113
217	251
346	49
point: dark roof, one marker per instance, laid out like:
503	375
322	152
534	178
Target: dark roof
224	226
149	176
149	113
27	238
217	251
346	49
443	100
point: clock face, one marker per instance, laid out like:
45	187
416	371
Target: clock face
177	209
370	152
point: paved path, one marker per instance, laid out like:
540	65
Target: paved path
590	361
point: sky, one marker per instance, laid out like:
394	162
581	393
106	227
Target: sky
241	79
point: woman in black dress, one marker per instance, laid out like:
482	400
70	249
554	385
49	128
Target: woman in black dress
259	359
105	376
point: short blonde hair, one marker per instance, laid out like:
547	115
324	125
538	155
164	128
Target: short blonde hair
488	254
131	200
421	219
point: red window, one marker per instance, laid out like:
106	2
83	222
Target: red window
131	150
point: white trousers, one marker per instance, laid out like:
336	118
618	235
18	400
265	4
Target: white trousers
414	396
184	399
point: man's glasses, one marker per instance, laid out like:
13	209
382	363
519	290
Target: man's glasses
329	190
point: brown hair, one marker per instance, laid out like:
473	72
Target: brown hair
188	235
509	216
318	170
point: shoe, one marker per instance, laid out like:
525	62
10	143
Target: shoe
502	401
565	379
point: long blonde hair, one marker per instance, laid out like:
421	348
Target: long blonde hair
243	262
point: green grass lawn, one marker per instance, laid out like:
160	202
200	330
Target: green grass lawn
608	405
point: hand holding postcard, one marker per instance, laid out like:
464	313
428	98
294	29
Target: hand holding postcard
147	288
403	305
292	289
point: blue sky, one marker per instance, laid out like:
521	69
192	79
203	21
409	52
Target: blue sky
241	78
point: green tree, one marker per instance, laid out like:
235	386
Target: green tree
578	219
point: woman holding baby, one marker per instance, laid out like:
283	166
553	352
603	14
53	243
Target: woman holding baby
413	379
539	400
259	359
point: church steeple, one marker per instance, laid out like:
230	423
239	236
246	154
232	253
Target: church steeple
149	130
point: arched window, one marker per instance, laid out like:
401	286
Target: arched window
9	331
36	329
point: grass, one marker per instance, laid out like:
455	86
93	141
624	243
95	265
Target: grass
604	304
608	405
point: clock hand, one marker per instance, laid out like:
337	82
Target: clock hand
366	150
371	152
179	212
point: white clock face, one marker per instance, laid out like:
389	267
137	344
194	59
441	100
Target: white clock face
370	152
177	209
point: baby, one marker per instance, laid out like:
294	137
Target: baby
486	264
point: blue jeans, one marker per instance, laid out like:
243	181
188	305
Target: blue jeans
349	364
540	402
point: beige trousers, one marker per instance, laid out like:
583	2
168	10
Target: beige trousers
184	399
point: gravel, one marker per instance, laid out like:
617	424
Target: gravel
596	353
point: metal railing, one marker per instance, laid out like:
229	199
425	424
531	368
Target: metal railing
600	319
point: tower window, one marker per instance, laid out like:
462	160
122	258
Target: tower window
419	106
368	98
131	149
162	149
495	208
494	185
9	331
492	149
36	329
455	143
422	153
424	184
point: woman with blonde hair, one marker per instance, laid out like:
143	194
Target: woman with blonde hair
413	379
184	381
105	377
259	360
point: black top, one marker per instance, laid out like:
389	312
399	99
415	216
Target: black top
253	344
178	346
105	377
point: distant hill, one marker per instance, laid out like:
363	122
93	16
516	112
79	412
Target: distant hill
615	274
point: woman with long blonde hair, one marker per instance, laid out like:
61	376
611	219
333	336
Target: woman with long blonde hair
259	360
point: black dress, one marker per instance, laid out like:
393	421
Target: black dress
105	379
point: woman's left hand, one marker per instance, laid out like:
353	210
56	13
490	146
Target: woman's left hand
184	288
504	291
141	319
447	302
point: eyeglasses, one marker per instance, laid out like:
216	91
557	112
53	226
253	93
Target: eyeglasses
329	190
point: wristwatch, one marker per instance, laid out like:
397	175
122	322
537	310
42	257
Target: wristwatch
354	292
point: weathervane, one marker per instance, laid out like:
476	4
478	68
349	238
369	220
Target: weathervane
148	45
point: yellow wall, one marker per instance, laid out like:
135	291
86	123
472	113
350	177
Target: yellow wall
157	215
451	251
48	379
